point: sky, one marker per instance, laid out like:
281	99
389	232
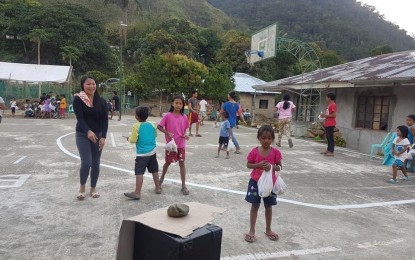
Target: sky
399	12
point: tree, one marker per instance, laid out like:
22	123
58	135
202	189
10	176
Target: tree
152	76
233	51
70	53
185	74
381	49
38	36
218	83
210	44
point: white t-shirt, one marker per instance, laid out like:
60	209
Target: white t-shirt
202	105
399	147
1	110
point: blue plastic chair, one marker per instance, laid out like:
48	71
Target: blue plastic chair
381	146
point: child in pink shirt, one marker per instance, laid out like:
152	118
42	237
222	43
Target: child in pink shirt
260	159
285	110
174	125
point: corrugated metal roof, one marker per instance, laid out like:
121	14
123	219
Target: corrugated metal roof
244	83
398	66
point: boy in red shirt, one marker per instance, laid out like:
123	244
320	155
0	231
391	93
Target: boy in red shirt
330	123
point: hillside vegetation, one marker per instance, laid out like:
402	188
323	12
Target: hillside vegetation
341	25
173	46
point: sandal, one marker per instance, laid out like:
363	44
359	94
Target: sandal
198	135
272	236
94	195
250	238
132	195
81	196
185	191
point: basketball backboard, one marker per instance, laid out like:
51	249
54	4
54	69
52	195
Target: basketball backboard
262	44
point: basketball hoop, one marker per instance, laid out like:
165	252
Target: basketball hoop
249	53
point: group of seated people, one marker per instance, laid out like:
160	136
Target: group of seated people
47	106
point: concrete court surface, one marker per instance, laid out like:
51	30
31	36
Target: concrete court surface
335	208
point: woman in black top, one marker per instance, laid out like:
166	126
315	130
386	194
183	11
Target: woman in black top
91	130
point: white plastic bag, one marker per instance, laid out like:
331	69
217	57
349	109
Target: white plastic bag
265	184
231	146
280	187
171	146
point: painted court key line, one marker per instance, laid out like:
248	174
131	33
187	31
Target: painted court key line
265	255
311	205
20	159
13	181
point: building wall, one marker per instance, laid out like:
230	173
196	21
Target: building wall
246	100
402	104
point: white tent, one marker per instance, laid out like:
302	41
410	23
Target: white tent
33	73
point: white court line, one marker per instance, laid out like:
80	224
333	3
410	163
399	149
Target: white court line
112	140
19	180
20	159
318	206
265	255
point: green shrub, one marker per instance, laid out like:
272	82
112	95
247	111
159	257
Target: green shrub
339	141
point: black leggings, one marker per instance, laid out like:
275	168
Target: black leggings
330	138
90	158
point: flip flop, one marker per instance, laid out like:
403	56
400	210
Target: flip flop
132	195
94	195
272	236
323	152
81	196
198	135
329	154
185	191
249	238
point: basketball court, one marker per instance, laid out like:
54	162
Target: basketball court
339	207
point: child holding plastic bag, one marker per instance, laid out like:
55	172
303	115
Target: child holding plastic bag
174	125
225	134
261	159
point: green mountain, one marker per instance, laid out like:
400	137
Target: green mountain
345	26
199	12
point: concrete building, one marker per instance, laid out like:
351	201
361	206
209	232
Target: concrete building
374	95
259	102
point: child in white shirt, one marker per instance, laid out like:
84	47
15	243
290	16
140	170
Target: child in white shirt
399	150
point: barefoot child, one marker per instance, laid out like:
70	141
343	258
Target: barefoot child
174	125
143	135
399	150
260	159
225	134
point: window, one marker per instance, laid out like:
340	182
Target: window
263	104
373	112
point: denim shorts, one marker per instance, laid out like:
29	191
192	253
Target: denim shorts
398	163
253	197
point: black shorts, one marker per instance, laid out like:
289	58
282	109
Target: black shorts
224	140
143	162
